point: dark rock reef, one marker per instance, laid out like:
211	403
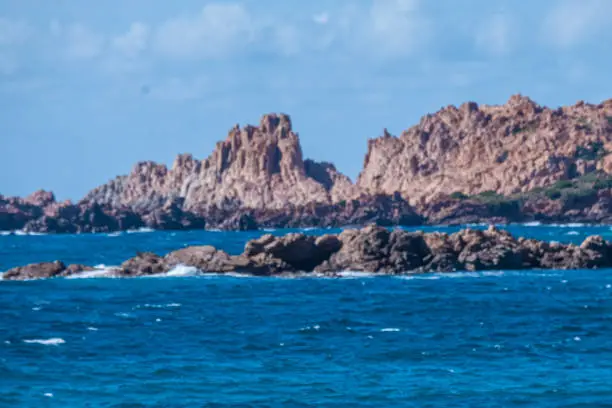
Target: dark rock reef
371	249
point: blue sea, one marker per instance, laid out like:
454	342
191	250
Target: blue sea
494	339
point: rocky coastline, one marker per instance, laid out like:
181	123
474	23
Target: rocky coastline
516	162
371	249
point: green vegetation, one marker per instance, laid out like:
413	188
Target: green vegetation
569	192
458	195
590	151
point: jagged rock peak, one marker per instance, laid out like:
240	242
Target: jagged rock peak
271	122
254	167
518	100
40	198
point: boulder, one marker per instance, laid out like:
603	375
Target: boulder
144	263
42	270
205	258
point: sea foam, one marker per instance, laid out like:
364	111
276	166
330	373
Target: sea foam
55	341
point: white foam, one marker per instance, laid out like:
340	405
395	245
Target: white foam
573	233
37	308
140	230
577	338
390	329
465	274
96	273
154	306
183	270
532	224
48	394
356	274
21	233
269	229
56	341
114	234
92	328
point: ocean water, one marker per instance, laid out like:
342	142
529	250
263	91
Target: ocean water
494	339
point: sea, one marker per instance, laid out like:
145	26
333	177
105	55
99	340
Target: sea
491	339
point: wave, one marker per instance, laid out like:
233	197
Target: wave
114	234
98	272
481	274
55	341
21	233
156	306
531	224
390	329
183	270
140	230
356	274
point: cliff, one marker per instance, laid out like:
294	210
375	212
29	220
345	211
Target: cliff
515	162
254	167
507	149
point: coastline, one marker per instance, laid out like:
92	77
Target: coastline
373	250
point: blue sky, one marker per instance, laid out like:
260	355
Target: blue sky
87	89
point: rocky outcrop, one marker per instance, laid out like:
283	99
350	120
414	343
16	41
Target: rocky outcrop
257	178
507	149
371	249
255	167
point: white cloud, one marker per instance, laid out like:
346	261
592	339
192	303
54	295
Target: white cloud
321	18
13	32
132	42
495	35
573	22
82	42
396	27
217	30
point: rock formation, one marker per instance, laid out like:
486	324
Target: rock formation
469	164
371	249
255	167
507	149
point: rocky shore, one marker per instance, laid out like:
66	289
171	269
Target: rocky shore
516	162
372	249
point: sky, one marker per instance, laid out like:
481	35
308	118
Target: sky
87	89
